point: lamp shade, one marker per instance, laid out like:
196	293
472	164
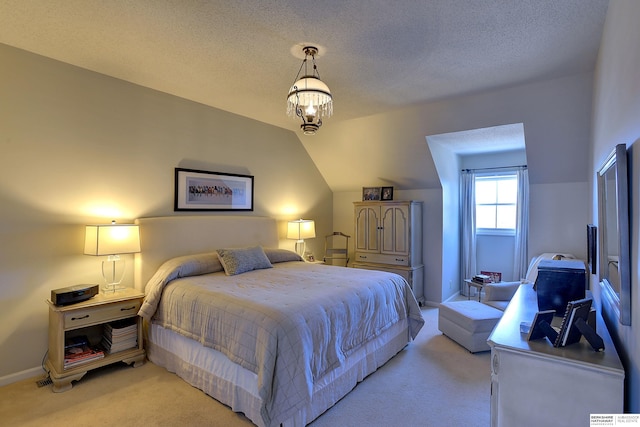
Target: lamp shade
311	93
111	239
301	229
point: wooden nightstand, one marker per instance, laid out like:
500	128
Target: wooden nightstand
89	319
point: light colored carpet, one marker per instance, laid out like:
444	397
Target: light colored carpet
432	382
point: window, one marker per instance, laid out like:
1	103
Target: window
496	201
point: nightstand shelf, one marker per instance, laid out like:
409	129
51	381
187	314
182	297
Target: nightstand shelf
88	319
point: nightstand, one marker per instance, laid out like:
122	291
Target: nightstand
90	319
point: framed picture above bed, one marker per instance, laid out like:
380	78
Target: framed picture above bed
197	190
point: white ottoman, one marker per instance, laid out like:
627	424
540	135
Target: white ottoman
469	323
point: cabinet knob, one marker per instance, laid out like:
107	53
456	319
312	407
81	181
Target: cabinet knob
128	308
80	318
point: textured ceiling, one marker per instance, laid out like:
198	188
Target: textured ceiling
376	55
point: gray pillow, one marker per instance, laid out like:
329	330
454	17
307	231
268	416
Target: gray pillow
281	255
236	261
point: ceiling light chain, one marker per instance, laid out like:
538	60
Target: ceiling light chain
309	97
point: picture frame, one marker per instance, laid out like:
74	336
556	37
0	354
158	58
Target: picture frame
536	330
386	193
197	190
592	247
371	193
569	332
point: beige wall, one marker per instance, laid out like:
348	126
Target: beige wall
556	115
79	147
616	120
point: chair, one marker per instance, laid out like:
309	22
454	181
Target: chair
336	247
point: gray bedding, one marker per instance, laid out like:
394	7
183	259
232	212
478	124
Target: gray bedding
289	324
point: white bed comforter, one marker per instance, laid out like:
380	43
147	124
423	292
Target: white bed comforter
289	324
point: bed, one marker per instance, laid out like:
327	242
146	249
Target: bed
257	328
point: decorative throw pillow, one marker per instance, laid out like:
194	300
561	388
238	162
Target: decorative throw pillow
236	261
281	255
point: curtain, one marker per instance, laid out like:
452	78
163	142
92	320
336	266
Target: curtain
468	228
521	253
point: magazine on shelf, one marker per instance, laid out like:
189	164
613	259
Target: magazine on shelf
79	354
121	327
120	335
77	341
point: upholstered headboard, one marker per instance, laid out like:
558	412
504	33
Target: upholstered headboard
163	238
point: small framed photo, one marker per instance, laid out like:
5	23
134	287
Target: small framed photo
371	193
387	193
197	190
536	330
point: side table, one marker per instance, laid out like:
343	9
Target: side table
470	283
88	319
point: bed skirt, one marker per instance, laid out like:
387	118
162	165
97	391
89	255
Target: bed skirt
236	387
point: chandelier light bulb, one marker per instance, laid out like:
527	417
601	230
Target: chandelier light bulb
311	112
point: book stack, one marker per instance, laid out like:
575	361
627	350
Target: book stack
481	279
120	335
77	351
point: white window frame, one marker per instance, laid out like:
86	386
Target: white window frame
494	177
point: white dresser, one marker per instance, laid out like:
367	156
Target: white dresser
534	383
388	237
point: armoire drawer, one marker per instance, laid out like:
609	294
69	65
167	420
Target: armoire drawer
382	258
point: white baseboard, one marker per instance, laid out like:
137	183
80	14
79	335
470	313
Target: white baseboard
22	375
453	297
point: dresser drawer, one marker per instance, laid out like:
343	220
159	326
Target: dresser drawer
382	258
103	313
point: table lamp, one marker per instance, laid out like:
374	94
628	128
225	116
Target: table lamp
299	230
112	240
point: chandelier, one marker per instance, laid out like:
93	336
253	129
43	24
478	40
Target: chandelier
309	98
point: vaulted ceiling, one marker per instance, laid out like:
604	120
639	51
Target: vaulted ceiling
376	56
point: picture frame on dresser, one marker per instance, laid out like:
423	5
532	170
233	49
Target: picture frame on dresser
387	194
197	190
371	193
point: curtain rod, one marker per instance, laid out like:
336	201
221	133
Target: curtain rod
496	168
